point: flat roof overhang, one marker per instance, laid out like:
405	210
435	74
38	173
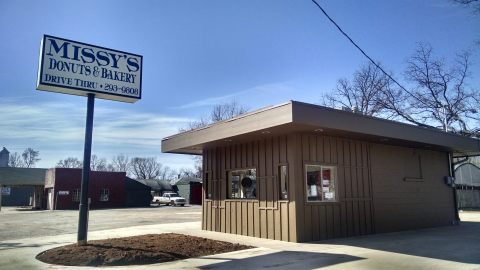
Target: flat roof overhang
22	176
296	116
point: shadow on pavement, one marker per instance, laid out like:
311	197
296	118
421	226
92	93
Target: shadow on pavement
294	260
5	246
455	243
23	209
154	205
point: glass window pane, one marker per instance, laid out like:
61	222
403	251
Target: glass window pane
76	195
314	192
104	192
321	183
207	186
282	173
242	184
328	183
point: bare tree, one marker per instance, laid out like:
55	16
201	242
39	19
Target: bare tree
98	164
474	4
120	163
198	165
70	162
166	173
219	112
15	161
30	157
438	94
186	172
362	94
195	124
225	111
27	159
145	168
440	97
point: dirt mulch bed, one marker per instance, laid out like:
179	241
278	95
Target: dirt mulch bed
143	249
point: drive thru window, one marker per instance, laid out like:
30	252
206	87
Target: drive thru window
242	184
321	183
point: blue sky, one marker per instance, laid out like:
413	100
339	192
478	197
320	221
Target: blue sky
200	53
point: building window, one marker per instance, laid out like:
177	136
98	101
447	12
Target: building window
76	195
207	186
242	184
283	182
321	183
104	194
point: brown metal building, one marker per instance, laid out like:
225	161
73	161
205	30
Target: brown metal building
300	172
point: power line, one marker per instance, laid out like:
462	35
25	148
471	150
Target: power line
358	47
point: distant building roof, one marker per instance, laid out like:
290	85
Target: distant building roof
156	184
135	184
22	176
188	180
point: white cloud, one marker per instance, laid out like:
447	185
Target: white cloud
256	90
57	131
135	128
65	122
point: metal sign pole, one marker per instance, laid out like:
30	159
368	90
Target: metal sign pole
83	208
120	79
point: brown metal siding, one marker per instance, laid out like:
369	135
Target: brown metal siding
351	214
408	188
292	220
267	216
372	194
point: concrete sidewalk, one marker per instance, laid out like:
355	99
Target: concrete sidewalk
453	247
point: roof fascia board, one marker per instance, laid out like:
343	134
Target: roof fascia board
243	124
314	115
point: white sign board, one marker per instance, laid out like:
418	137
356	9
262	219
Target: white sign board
5	191
76	68
63	192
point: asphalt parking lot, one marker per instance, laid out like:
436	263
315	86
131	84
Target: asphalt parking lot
17	223
441	248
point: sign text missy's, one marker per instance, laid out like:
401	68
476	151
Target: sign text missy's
77	68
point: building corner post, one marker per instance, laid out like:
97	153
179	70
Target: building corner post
451	170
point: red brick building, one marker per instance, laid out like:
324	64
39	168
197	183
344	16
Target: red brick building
105	189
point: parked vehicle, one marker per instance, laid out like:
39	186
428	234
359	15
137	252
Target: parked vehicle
170	198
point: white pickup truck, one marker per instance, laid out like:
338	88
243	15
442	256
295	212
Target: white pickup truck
169	198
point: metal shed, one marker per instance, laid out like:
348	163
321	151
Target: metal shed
158	187
23	183
137	194
301	172
190	188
